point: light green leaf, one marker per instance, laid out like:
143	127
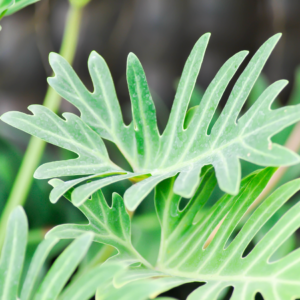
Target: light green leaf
139	290
110	225
12	255
144	115
37	262
165	298
72	134
4	5
100	109
60	187
63	268
184	147
85	287
186	256
184	252
18	5
12	259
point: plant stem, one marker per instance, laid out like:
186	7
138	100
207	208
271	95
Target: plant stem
35	149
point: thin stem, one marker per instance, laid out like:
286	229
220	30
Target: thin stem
35	149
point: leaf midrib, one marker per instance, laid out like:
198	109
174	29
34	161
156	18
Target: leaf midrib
10	264
237	278
211	152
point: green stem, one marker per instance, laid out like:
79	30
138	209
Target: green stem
35	149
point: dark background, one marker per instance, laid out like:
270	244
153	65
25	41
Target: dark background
161	33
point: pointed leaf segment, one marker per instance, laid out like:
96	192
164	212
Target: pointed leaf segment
51	285
185	256
110	225
182	149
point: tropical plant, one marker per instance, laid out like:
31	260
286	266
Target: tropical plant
154	157
226	244
8	7
187	252
49	287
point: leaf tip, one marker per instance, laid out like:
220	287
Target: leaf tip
130	205
19	211
53	57
132	58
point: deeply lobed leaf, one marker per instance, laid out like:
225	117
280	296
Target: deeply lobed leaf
50	287
187	256
110	225
184	148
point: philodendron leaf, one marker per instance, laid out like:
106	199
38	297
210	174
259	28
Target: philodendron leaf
12	255
8	7
36	265
5	5
110	225
187	256
63	268
50	286
184	147
85	287
192	250
18	5
72	134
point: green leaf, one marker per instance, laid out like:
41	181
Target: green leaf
85	287
4	5
110	225
12	260
72	134
100	109
37	262
186	256
165	298
140	290
144	115
63	268
18	5
12	255
184	148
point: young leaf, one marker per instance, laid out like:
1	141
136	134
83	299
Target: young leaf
110	225
37	262
4	5
187	256
141	289
72	134
18	5
12	258
63	268
12	255
85	287
184	147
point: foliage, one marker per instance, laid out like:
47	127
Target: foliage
51	285
8	7
222	244
110	225
178	150
186	256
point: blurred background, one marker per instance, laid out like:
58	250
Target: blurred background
161	34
